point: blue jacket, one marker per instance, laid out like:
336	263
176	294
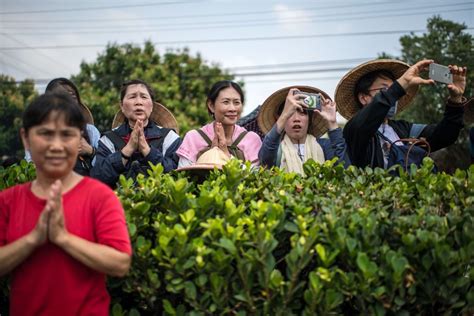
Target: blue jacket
335	146
109	166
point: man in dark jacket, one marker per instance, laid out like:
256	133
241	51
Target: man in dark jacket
371	94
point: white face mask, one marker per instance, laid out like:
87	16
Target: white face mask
392	111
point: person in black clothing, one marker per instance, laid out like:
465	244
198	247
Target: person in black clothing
371	94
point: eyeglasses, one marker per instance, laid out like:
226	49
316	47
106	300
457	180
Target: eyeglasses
378	89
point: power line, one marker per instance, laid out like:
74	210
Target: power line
286	72
299	79
40	53
173	17
145	30
301	64
17	62
44	81
240	23
96	8
221	40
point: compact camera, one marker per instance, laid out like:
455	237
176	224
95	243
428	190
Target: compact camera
311	100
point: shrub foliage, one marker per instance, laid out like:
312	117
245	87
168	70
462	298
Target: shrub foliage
267	242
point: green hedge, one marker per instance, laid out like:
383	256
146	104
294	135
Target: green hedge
267	242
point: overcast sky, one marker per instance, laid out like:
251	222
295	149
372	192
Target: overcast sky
270	43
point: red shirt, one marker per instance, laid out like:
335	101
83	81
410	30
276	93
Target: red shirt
49	281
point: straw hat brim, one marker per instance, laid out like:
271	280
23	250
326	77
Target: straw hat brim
469	111
201	166
87	114
268	114
160	115
346	100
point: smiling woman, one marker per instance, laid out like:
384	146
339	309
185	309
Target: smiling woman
61	233
224	103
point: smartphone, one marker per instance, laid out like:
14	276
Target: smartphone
440	73
311	100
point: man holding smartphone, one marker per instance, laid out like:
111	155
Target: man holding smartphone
371	94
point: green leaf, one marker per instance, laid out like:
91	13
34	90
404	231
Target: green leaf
141	207
368	268
228	244
117	310
276	279
132	228
321	252
168	307
190	289
133	312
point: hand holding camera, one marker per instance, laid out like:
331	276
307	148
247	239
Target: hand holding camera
311	101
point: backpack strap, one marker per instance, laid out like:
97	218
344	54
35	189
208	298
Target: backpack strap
234	150
158	141
118	142
207	140
205	137
239	138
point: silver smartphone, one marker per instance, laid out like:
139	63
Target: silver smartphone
440	73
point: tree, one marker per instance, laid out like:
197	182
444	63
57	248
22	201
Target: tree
179	80
446	42
13	100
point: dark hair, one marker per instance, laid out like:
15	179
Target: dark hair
62	103
364	83
53	84
123	89
221	85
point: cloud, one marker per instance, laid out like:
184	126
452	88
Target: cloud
292	20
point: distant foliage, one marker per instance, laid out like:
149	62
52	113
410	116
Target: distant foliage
13	100
16	174
180	81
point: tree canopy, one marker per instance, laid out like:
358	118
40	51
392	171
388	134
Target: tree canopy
13	99
180	81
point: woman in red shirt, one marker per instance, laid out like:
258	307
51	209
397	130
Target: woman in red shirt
61	233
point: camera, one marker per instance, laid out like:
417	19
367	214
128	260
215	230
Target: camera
440	73
311	100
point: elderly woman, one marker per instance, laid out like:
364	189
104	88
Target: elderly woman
224	103
293	130
90	134
61	233
143	132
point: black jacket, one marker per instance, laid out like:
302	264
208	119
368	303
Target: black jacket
109	166
360	131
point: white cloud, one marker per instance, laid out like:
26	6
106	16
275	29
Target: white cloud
292	20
